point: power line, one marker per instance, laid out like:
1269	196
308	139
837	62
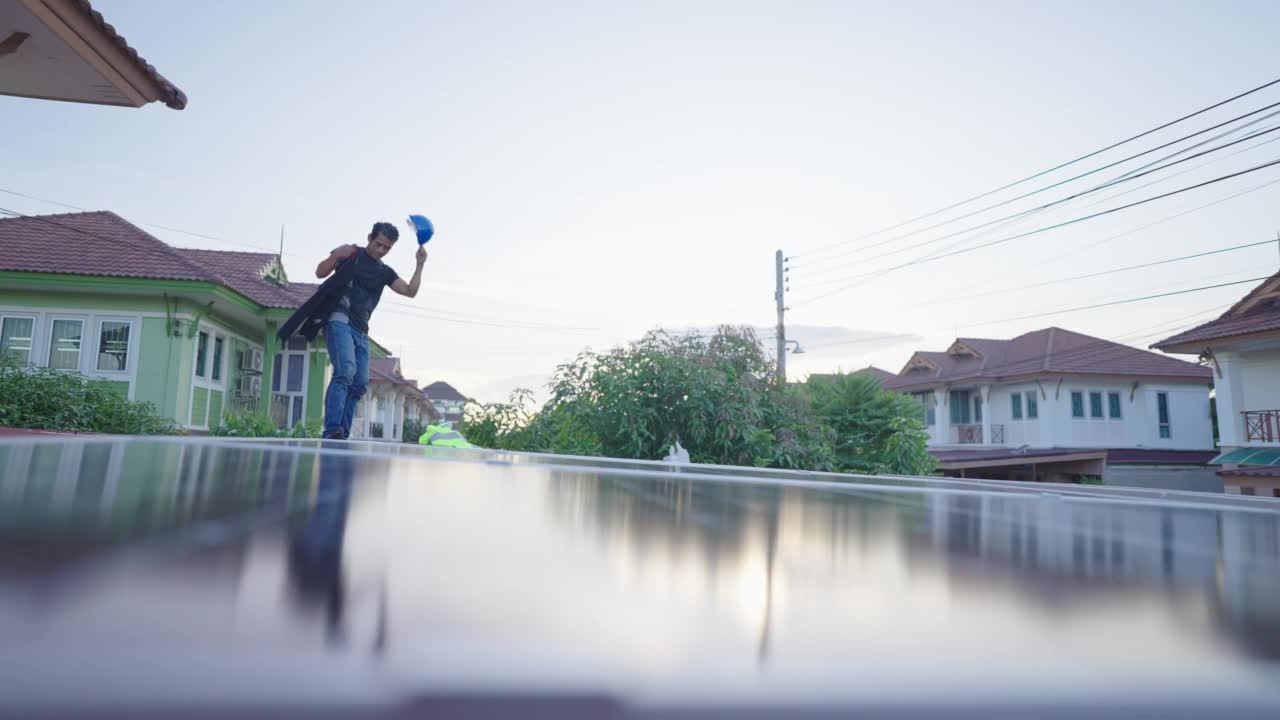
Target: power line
1099	201
1119	302
149	224
1159	181
1052	169
1165	219
1057	202
457	317
1101	273
1193	168
920	261
410	310
1122	178
1175	216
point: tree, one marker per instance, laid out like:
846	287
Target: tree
876	431
718	397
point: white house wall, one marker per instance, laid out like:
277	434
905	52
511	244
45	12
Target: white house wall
1260	374
1250	380
1017	432
1191	426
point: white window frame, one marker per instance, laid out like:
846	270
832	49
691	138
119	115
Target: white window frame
207	380
218	363
298	397
1102	405
131	346
1167	425
1029	400
48	340
1106	406
1119	417
35	331
199	355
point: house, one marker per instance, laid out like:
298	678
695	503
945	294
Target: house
447	401
1242	347
391	401
1059	405
191	331
65	50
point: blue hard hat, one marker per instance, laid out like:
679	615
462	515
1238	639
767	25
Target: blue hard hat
423	227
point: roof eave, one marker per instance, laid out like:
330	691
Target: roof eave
90	36
1173	345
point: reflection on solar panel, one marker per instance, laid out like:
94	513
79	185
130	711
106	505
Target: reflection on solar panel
161	576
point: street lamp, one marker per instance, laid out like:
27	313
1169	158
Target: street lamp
797	350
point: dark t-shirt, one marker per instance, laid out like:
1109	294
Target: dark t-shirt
368	280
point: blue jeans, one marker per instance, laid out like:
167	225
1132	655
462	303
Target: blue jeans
349	354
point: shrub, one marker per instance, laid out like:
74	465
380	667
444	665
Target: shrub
45	399
244	423
412	430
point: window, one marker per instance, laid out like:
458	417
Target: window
215	372
1162	406
1113	405
1077	404
960	407
1245	490
294	377
1095	404
1033	409
925	398
113	346
1015	405
64	344
275	372
202	351
15	338
977	408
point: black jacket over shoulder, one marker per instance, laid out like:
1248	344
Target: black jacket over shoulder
314	313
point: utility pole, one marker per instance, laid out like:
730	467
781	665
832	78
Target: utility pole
780	296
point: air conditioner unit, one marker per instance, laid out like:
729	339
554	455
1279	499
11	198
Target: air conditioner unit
250	385
252	360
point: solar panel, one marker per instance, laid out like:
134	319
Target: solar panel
164	576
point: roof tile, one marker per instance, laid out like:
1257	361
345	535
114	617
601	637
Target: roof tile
1051	350
104	244
1258	311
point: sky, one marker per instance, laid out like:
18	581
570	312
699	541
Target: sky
596	170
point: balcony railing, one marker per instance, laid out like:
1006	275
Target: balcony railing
971	434
243	403
1261	425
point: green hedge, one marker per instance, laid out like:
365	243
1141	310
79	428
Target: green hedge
249	424
44	399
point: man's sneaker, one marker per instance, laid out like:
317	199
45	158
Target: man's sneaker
335	435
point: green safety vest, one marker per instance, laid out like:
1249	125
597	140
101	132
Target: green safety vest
438	436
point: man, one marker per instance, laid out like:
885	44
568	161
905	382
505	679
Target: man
346	330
